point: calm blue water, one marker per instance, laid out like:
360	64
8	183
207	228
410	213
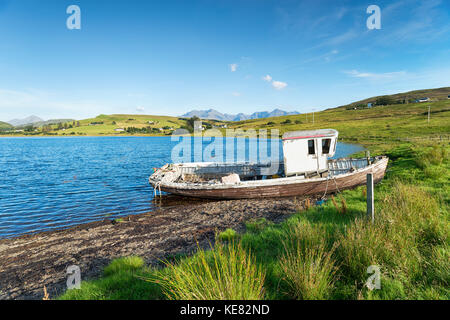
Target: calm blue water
52	183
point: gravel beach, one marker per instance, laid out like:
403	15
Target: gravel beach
30	262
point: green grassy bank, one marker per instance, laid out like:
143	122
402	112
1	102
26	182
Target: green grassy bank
324	252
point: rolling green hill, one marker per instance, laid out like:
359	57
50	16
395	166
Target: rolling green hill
434	94
5	126
394	121
378	125
107	124
117	124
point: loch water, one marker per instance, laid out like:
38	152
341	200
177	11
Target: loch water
49	183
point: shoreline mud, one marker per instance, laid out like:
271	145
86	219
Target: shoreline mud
30	262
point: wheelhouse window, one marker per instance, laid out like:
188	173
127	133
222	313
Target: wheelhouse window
326	144
311	149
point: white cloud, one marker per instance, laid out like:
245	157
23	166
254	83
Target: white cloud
279	85
233	67
236	94
376	76
267	78
140	108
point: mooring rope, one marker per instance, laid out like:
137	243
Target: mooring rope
326	188
335	182
157	187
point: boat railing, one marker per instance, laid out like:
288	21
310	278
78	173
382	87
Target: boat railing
341	166
246	169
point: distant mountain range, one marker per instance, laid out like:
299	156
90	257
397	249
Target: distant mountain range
25	121
216	115
35	121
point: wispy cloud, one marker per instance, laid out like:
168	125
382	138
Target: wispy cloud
305	16
22	103
321	23
236	94
13	98
374	76
140	108
327	57
341	38
427	21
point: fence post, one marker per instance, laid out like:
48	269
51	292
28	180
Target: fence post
370	198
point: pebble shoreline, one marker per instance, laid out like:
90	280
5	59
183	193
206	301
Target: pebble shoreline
30	262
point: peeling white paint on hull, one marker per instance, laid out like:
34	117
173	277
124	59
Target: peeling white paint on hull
169	179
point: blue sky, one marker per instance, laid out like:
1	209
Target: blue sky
169	57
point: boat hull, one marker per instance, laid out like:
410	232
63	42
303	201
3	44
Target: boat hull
281	187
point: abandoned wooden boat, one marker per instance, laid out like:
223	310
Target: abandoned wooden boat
306	170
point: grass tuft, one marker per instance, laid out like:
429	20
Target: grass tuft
228	235
258	225
131	263
307	264
434	155
227	272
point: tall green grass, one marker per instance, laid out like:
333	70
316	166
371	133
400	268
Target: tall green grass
409	226
307	264
228	272
432	155
121	280
430	158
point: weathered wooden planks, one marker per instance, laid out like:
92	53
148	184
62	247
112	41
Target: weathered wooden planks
281	187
